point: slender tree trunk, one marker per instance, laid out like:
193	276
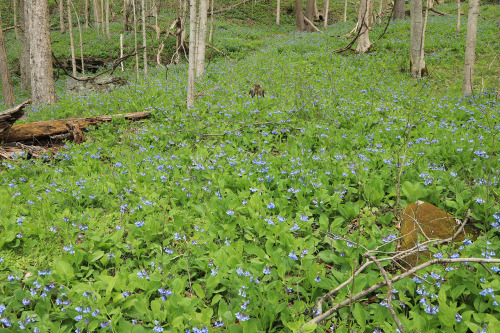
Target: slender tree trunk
121	50
103	17
126	13
202	38
61	17
458	17
135	40
144	42
155	8
71	39
470	47
310	14
86	14
193	14
212	21
81	38
416	43
278	10
96	14
8	92
381	4
399	10
183	22
364	22
108	35
16	31
345	11
24	14
42	79
299	15
325	14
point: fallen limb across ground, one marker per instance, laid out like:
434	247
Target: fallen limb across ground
397	278
10	116
47	129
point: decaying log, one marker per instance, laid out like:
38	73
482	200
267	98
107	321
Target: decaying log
9	117
49	129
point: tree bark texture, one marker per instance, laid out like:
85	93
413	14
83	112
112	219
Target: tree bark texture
62	26
108	35
24	8
10	116
42	79
399	10
193	13
14	5
325	12
144	42
71	38
212	21
309	14
299	15
470	47
417	60
86	14
458	17
365	19
8	92
278	12
345	11
135	40
201	38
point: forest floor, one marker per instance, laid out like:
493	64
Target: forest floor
238	214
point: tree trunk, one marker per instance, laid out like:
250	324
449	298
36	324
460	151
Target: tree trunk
470	47
42	79
458	17
399	10
86	13
102	17
71	38
381	4
193	14
96	13
417	60
108	35
8	92
310	14
299	15
16	31
278	9
364	22
24	14
126	13
81	39
212	21
202	38
345	11
62	26
144	42
135	40
325	14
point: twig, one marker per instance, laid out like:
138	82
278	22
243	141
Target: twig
308	21
397	278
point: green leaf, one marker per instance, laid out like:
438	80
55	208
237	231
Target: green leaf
414	192
309	328
250	326
199	291
360	314
96	256
216	299
64	270
256	250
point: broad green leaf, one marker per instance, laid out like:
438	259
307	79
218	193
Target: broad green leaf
360	314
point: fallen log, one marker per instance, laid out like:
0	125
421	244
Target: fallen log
43	130
10	116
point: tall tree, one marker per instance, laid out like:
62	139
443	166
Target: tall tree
458	17
24	14
345	11
278	12
201	38
197	43
86	13
365	19
15	5
399	10
144	43
71	38
309	15
325	12
470	47
299	15
62	26
42	79
417	34
8	93
108	35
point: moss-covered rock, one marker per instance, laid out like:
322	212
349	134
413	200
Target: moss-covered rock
422	221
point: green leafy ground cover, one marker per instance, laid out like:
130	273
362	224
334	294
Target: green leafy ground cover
238	214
